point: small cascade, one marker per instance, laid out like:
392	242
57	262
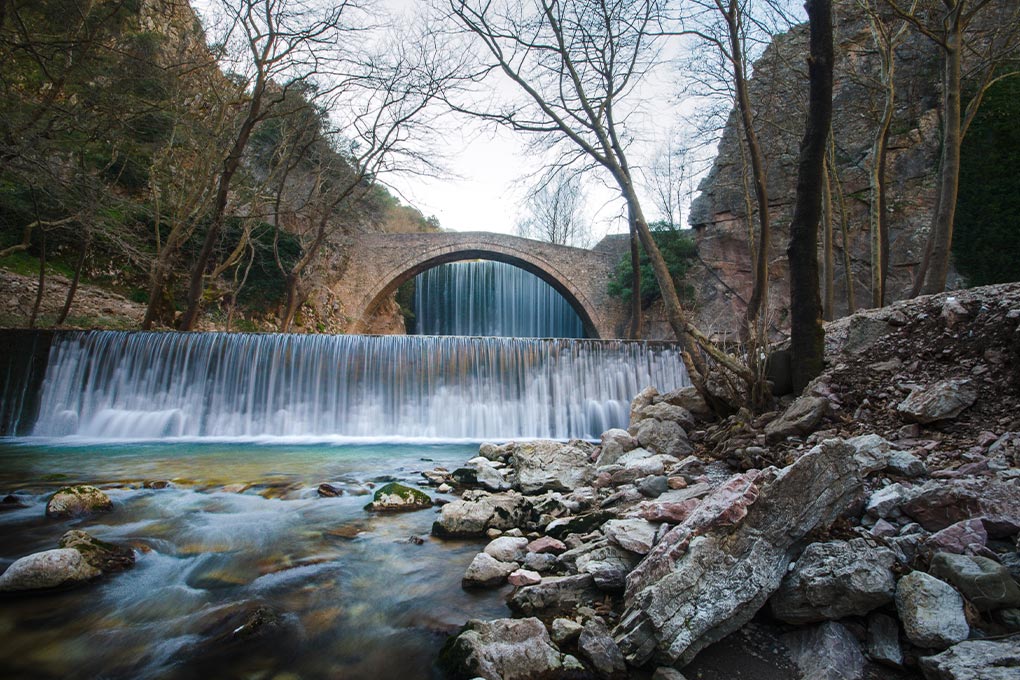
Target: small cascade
493	299
143	385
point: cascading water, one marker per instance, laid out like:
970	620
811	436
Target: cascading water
491	298
141	385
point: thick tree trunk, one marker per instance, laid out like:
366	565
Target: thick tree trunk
807	335
949	168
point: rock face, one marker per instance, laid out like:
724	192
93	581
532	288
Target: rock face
985	583
49	569
394	497
931	611
834	580
504	649
719	216
709	575
74	501
551	466
478	511
975	660
944	400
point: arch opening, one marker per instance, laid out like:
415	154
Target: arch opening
390	281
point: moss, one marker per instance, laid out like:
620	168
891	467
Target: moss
413	498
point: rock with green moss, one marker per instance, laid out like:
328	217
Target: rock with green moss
395	497
75	501
106	557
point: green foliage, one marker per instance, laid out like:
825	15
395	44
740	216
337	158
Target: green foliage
266	284
677	248
986	243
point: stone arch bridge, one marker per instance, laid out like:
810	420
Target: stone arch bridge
378	264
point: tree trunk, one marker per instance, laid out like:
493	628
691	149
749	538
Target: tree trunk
42	281
879	222
73	288
759	293
844	228
807	342
949	168
635	285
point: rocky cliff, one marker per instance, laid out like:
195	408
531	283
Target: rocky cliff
778	91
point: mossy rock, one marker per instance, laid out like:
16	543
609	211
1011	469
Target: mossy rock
394	497
106	557
74	501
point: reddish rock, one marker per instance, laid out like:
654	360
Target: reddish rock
524	577
963	537
547	544
674	513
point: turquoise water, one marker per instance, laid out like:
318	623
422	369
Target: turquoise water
358	599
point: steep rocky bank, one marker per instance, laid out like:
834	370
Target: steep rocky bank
866	530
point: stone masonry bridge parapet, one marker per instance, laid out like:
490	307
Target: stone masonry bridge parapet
378	264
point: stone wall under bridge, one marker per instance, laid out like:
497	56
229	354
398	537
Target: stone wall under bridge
378	264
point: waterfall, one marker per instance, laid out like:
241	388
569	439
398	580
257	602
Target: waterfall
141	385
491	298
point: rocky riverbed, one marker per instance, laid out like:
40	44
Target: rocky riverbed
867	529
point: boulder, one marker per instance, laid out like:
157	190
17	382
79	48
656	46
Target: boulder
555	595
905	464
395	497
931	611
664	411
834	580
598	648
635	535
644	398
886	500
985	583
504	649
653	486
968	536
478	511
943	400
547	544
975	660
48	569
708	576
581	524
494	452
826	652
884	639
615	443
543	465
487	476
939	503
524	577
871	451
665	437
75	501
690	399
565	631
801	418
507	548
485	571
607	564
327	490
106	557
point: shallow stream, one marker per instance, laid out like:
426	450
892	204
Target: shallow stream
357	597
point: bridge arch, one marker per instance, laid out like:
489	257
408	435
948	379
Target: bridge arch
415	263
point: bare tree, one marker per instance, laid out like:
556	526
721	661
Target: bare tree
279	45
575	65
807	337
553	213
